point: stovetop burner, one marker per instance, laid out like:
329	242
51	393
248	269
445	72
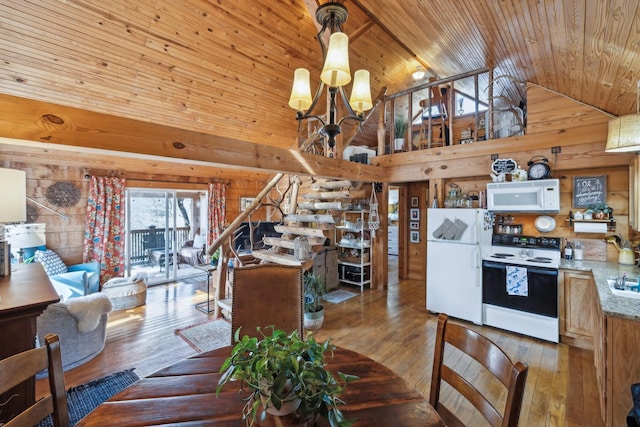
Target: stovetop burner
524	250
501	255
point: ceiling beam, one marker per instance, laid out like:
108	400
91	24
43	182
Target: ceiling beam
55	127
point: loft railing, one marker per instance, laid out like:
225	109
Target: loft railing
436	119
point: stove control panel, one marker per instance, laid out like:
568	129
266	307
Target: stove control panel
551	243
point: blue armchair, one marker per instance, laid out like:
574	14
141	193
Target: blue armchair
70	281
83	279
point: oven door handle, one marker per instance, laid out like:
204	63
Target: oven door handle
530	269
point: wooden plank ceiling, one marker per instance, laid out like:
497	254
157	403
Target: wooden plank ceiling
224	68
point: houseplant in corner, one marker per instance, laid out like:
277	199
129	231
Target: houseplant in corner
314	289
280	370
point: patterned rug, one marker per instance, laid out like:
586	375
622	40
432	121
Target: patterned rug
86	397
338	296
207	336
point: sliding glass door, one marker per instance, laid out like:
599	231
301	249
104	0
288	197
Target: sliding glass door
159	224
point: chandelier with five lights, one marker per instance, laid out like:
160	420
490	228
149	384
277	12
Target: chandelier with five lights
335	75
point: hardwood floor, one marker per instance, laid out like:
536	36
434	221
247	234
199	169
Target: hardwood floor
390	326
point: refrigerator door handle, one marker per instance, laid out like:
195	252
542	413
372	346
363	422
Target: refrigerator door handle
478	266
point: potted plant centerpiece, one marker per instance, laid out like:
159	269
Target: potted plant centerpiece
282	370
314	289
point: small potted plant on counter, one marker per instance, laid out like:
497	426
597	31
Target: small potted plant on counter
285	375
314	289
600	211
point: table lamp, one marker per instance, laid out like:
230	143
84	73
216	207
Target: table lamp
14	209
24	236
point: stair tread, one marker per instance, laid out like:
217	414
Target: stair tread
283	259
301	231
290	244
326	218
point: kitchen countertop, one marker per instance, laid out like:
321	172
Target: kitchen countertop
612	305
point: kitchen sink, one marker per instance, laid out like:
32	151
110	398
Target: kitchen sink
631	288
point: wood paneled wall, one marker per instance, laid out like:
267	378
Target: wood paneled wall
553	120
67	237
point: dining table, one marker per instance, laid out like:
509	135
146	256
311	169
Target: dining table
185	394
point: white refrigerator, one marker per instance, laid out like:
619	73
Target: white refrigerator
456	239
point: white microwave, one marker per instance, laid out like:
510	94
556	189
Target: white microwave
524	196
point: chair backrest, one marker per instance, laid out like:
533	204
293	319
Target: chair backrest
20	367
492	358
265	295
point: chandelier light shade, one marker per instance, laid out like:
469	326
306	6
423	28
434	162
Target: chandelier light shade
336	71
335	75
624	132
300	98
361	93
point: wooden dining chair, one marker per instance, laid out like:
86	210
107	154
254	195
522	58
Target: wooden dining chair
265	295
492	358
20	367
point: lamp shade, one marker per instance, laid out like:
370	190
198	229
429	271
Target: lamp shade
336	66
361	92
300	98
13	189
624	134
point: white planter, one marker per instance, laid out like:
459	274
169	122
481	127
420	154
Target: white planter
289	403
398	144
313	321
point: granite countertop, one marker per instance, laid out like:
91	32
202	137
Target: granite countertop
612	305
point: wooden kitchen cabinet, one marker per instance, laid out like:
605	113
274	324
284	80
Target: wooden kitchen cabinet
25	294
634	193
599	354
576	295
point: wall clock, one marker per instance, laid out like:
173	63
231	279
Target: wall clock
538	169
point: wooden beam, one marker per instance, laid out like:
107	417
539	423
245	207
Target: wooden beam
582	147
82	131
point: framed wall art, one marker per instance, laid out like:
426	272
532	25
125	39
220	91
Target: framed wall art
245	202
414	214
589	190
414	237
413	225
415	202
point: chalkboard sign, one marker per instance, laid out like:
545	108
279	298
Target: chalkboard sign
589	190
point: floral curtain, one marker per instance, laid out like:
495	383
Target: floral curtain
217	210
105	226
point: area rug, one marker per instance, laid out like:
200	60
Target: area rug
86	397
338	296
207	336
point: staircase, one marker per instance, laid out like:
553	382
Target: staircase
316	216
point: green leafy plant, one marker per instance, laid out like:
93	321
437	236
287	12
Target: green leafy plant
314	289
400	126
600	207
216	256
281	367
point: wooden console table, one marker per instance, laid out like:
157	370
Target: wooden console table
25	294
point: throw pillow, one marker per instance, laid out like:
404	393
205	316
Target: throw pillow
51	262
199	241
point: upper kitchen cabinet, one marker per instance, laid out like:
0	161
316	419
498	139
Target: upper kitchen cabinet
634	197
